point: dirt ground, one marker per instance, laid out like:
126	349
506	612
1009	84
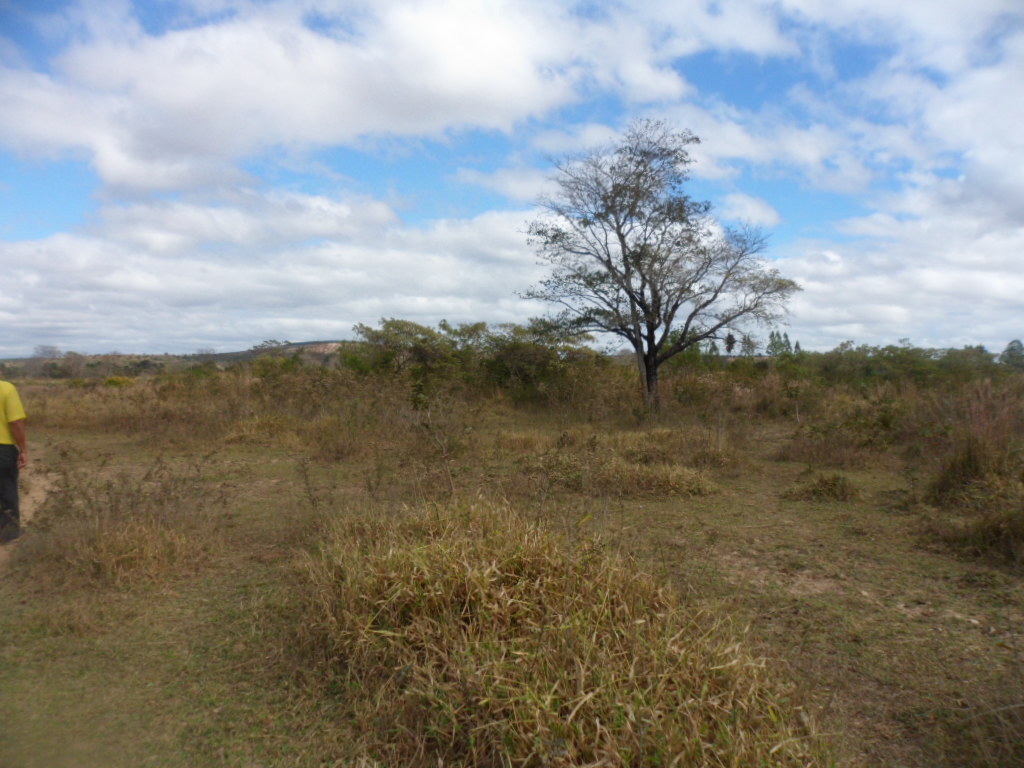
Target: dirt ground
34	484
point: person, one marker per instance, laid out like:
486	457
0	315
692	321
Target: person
13	458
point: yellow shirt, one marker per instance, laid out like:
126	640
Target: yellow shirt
11	409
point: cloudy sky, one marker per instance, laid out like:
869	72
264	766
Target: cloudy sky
178	175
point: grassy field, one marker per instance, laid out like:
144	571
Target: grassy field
285	567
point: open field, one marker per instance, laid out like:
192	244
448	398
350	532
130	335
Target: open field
180	598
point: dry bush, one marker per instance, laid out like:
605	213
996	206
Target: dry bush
980	470
331	413
824	447
684	391
519	441
121	527
848	430
618	476
772	395
833	487
600	395
816	450
984	431
470	637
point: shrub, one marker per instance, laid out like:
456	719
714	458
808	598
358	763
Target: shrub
980	475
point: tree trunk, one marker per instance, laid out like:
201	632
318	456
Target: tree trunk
652	396
641	366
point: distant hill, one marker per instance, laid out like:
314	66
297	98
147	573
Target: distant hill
71	365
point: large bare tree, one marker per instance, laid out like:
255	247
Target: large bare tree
633	255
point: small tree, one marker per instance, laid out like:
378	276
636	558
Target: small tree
748	346
402	345
633	255
1013	355
46	351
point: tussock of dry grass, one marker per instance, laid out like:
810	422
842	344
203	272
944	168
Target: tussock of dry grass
832	487
988	520
819	450
630	464
610	475
469	637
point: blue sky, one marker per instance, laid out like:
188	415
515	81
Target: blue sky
178	175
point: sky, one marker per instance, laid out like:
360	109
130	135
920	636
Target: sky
186	175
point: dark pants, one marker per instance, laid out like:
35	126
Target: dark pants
9	517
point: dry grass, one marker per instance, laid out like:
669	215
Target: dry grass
470	637
603	474
979	472
832	487
907	651
656	462
120	527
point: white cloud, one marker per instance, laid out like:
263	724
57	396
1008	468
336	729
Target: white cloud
155	111
206	277
525	185
250	220
162	111
943	35
939	283
752	210
573	137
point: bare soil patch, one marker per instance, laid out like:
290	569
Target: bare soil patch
35	483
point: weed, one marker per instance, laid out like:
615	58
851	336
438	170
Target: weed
888	632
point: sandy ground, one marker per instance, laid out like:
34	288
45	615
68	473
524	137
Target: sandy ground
34	485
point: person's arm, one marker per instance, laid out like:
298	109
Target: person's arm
18	433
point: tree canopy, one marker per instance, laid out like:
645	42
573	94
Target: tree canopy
1013	355
633	255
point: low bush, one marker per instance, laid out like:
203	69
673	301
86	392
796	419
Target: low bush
470	637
